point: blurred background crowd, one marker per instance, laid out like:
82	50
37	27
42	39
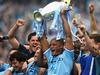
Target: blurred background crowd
11	10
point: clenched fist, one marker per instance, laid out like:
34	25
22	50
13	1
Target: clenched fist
91	8
20	22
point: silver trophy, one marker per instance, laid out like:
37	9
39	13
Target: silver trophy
49	9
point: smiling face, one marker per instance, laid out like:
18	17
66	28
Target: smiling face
56	47
34	43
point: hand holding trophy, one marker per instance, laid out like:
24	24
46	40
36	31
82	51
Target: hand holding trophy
54	9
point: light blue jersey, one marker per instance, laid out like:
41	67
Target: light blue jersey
32	69
4	66
61	64
21	73
2	73
13	73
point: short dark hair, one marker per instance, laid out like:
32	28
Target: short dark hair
59	40
30	35
18	56
96	37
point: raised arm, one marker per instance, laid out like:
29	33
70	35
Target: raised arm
68	44
44	47
94	50
44	42
92	19
93	29
11	34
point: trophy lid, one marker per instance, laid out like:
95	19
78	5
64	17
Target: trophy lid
67	1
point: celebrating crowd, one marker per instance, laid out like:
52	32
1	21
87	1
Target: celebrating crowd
63	56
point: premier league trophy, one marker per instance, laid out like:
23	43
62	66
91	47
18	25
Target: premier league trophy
50	8
54	9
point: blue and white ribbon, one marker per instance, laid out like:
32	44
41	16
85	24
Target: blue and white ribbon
57	25
39	27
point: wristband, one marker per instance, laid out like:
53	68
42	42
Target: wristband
4	37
